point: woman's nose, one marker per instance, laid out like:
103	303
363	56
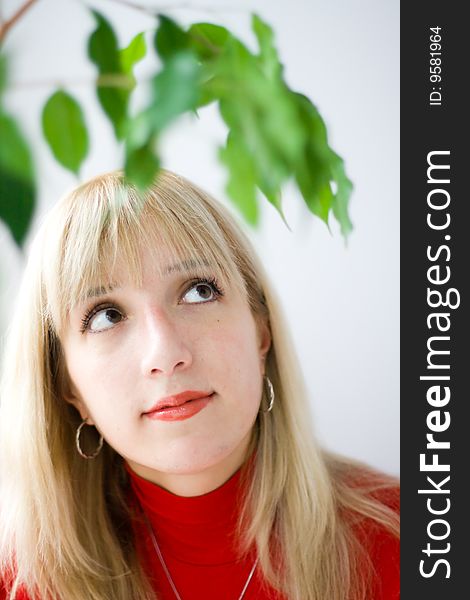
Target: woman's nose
164	344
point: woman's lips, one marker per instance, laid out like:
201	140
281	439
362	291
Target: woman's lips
181	412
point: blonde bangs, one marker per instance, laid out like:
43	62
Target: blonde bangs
107	222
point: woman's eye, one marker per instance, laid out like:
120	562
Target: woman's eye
200	292
104	319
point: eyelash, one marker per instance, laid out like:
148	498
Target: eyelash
91	312
210	281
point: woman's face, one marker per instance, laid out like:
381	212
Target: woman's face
178	337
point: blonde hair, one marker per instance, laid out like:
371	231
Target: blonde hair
66	529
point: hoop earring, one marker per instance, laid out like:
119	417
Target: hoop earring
271	394
77	443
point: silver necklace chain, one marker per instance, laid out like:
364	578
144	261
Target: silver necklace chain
167	572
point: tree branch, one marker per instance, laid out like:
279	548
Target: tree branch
7	25
106	80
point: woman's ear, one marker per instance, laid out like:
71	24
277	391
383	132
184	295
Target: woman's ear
264	336
66	388
72	396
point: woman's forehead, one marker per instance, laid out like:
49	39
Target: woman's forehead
129	250
154	265
157	261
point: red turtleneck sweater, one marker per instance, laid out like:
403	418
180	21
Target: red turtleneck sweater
195	535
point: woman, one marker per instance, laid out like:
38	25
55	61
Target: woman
155	438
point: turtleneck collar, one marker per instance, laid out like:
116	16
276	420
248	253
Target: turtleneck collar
197	529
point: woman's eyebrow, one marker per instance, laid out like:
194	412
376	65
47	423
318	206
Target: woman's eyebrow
185	265
101	290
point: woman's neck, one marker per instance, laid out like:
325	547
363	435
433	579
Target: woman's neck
195	483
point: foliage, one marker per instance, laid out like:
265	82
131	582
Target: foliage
17	182
62	121
274	133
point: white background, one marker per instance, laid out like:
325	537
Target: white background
341	302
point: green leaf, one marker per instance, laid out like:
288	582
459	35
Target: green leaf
341	201
170	38
208	40
272	191
142	166
175	90
15	156
17	185
140	130
65	130
114	103
249	110
103	46
267	169
320	168
134	53
17	200
313	124
208	86
113	92
315	189
241	185
268	57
